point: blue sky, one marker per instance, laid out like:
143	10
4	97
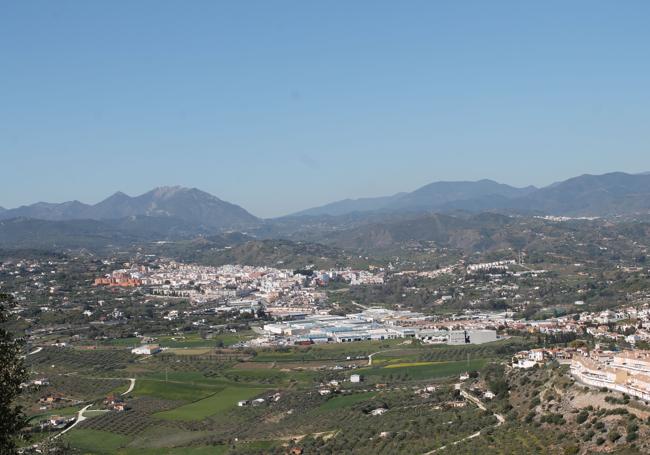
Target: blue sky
282	105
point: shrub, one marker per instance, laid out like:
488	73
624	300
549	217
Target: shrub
614	436
582	417
555	419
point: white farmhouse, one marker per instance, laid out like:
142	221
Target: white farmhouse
146	349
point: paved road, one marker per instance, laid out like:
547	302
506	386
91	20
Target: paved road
481	406
131	380
379	352
35	351
471	436
131	387
80	418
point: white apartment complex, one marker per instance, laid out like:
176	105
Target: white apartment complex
628	372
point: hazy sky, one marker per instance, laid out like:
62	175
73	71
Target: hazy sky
279	106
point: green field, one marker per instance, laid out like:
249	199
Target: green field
208	395
270	376
189	340
194	340
393	350
63	412
103	442
434	370
124	342
95	441
174	390
215	404
202	450
258	446
344	401
334	351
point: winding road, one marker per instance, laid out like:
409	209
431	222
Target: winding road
379	352
131	386
80	418
481	406
36	351
80	415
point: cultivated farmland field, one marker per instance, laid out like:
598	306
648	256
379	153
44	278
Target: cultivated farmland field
219	402
185	402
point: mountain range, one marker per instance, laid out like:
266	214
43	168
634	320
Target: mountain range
190	205
435	212
616	193
434	196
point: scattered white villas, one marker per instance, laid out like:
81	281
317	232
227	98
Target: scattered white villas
497	265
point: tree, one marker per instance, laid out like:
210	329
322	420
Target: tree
12	374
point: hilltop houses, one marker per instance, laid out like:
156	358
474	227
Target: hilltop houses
627	372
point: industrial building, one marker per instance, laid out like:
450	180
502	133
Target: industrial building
373	324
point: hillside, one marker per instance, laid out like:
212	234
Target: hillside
615	193
463	232
488	232
241	250
18	233
348	206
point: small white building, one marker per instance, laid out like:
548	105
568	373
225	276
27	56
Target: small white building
524	364
537	355
355	378
146	349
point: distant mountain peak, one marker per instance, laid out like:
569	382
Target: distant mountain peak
168	191
119	194
191	205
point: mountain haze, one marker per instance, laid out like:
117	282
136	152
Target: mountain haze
431	197
441	194
347	206
171	213
615	193
187	204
